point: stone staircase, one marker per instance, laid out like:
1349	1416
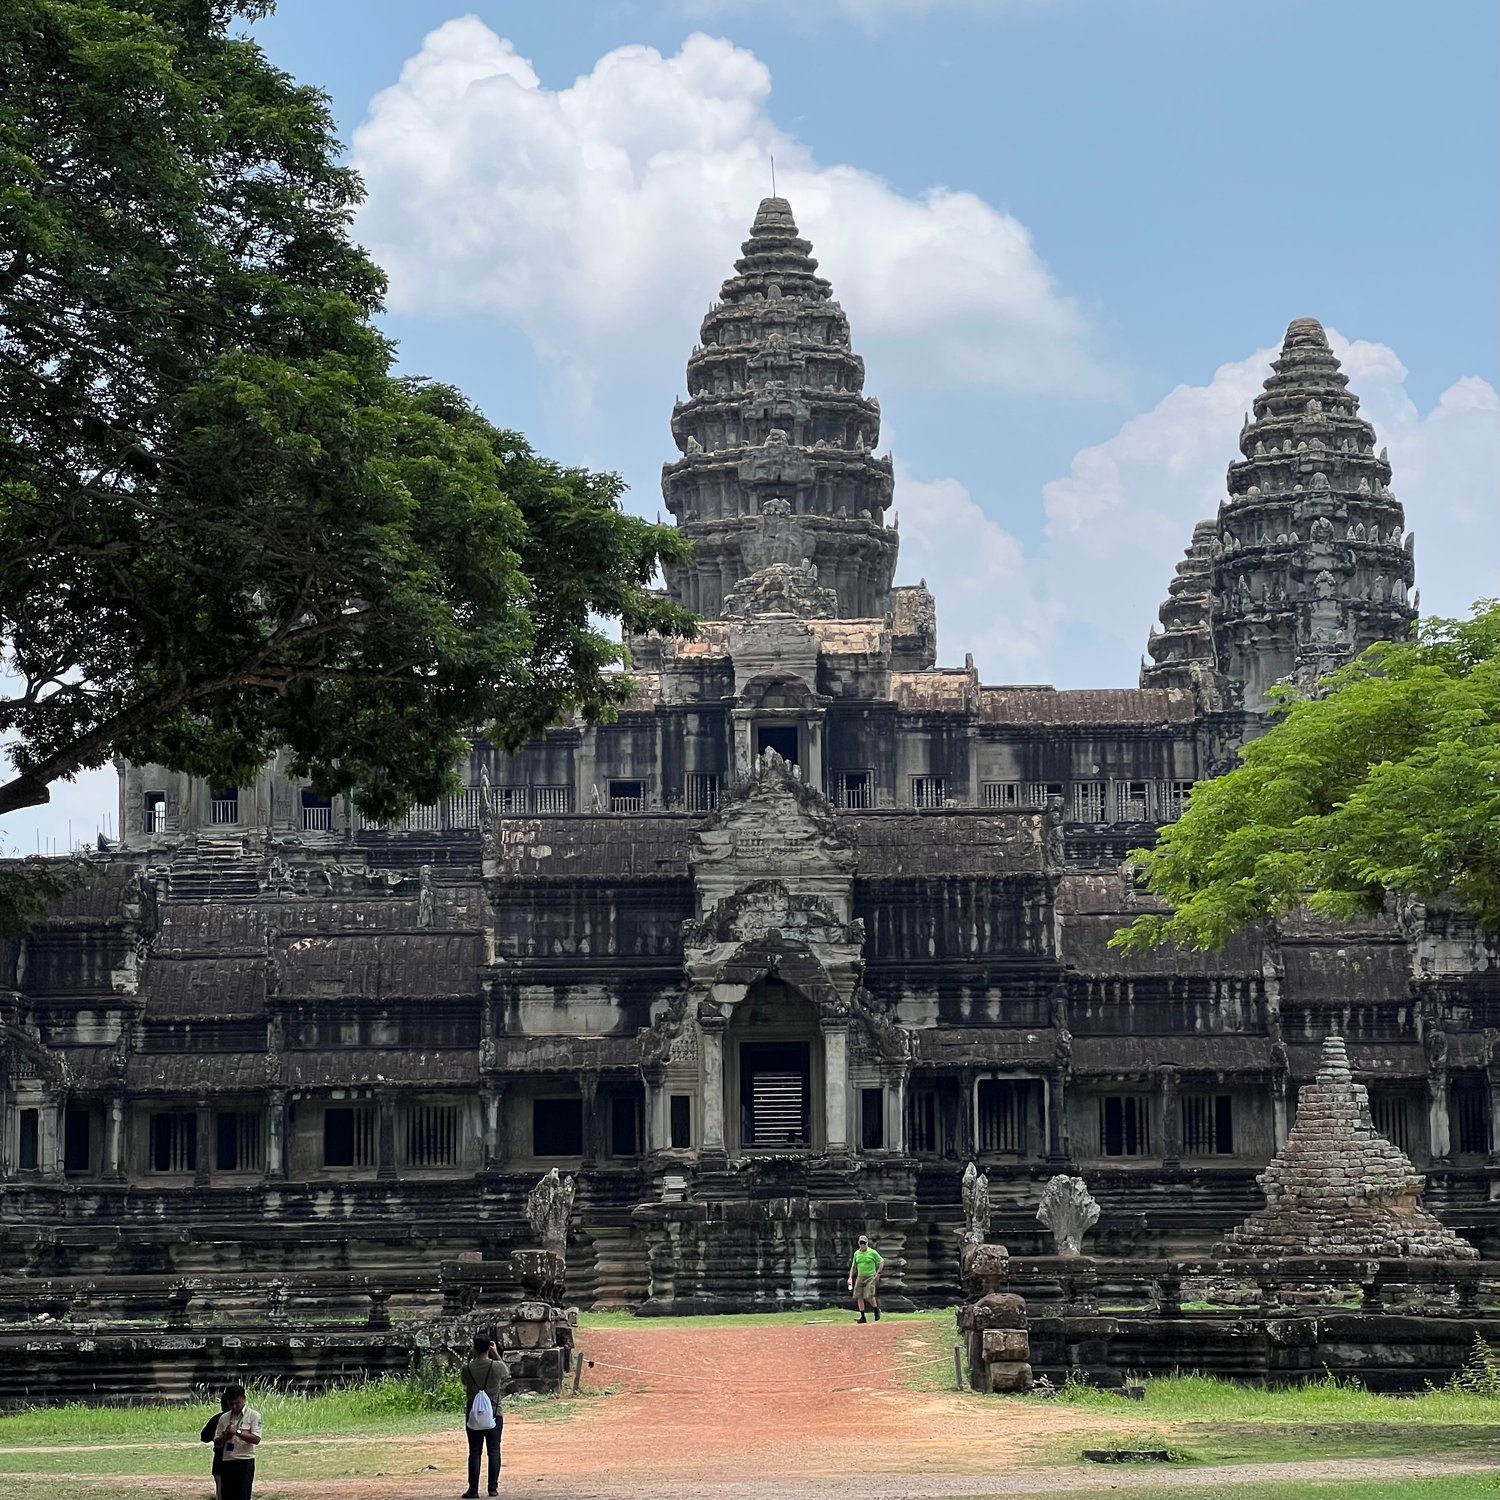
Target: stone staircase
218	869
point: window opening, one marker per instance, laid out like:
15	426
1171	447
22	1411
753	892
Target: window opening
627	796
349	1136
1002	1115
238	1143
1000	794
854	789
782	738
1132	801
552	799
1125	1125
928	791
1207	1124
1471	1109
510	801
624	1138
680	1109
1043	791
702	791
557	1127
1088	802
78	1130
225	806
317	811
872	1119
156	817
174	1141
29	1140
431	1135
1391	1118
1174	797
924	1122
775	1093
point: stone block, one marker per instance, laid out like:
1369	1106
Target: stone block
997	1310
1008	1376
1005	1344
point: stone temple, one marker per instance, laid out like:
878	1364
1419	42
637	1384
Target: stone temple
769	959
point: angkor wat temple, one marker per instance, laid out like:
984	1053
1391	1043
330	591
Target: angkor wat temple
770	958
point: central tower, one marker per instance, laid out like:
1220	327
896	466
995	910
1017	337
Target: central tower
777	439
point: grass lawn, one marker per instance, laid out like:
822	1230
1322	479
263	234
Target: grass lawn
1458	1487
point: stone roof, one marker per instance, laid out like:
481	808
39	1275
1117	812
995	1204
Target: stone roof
1340	1188
1047	706
947	690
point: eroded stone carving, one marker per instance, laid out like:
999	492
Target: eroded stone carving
1068	1209
976	1198
549	1205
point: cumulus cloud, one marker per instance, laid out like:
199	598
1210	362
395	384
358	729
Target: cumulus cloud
600	217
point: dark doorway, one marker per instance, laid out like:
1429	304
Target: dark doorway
557	1127
624	1138
782	738
775	1093
77	1132
681	1121
872	1119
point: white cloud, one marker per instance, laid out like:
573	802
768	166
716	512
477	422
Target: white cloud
600	217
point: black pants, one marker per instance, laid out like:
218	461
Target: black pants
478	1442
236	1478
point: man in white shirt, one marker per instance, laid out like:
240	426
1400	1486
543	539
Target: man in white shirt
236	1439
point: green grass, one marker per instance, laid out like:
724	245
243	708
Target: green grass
1452	1487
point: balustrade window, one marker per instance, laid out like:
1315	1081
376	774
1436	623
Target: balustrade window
1002	1115
317	811
1207	1124
1174	798
627	796
1391	1114
702	791
174	1141
557	1127
1000	794
924	1122
510	801
238	1141
1040	793
680	1112
1132	801
1125	1125
430	1137
78	1140
1088	801
854	789
928	791
872	1119
155	817
552	799
225	805
1471	1115
349	1136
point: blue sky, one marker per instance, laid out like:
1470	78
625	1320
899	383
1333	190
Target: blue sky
1067	232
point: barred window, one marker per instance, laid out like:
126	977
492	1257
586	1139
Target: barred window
317	811
430	1136
854	789
702	791
225	805
1471	1114
1125	1125
1000	794
1039	793
349	1136
1207	1124
174	1141
238	1135
155	815
510	801
627	796
1002	1115
1088	801
1392	1118
1132	801
924	1122
1174	796
928	791
552	799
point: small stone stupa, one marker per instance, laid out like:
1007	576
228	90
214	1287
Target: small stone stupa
1340	1188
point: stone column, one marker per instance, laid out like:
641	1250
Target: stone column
1280	1112
114	1136
49	1136
587	769
1057	1118
590	1086
836	1086
1494	1081
385	1135
815	774
276	1143
1171	1119
895	1112
1438	1141
658	1113
497	1135
205	1143
711	1030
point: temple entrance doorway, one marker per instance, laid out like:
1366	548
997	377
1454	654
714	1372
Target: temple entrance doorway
782	738
777	1069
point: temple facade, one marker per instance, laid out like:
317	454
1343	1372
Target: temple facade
813	924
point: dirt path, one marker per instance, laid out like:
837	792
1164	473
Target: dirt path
768	1412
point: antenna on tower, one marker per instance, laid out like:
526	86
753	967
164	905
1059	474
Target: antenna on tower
773	176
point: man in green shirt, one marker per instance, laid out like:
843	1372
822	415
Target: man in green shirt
864	1272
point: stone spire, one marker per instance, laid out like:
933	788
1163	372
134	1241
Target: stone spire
777	439
1182	651
1340	1188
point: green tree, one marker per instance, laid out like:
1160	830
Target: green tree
1387	784
226	529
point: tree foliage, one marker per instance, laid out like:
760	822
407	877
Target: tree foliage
226	528
1388	784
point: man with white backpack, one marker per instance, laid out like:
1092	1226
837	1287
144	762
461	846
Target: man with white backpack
484	1378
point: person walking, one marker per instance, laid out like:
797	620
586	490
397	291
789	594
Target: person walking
864	1274
236	1438
484	1376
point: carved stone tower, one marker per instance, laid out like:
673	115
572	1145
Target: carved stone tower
778	476
1306	564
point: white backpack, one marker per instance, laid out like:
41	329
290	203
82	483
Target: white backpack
481	1416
